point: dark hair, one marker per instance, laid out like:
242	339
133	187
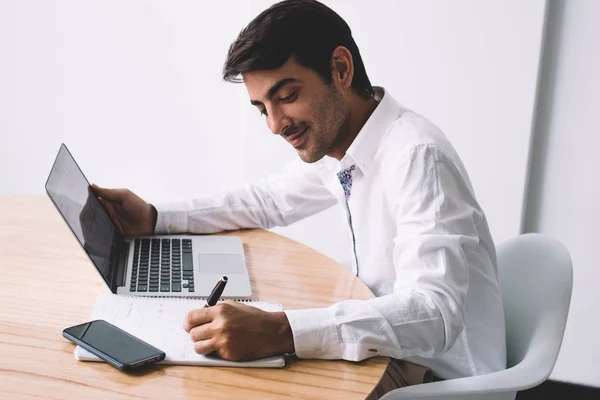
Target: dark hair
305	29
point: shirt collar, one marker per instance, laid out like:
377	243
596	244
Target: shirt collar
364	147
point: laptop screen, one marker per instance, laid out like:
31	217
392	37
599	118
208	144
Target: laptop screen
82	211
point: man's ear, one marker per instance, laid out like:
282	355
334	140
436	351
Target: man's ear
342	67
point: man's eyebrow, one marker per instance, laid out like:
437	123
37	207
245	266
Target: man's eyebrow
278	85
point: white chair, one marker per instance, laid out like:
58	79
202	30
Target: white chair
536	279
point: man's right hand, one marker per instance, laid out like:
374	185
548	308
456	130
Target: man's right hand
132	215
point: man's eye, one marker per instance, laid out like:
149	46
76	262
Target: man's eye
289	98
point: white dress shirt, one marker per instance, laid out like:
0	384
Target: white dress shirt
422	245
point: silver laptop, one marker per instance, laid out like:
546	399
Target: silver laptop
162	265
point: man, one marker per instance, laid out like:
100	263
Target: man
420	240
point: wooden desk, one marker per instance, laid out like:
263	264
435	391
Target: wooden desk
47	283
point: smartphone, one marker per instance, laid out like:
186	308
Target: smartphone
112	344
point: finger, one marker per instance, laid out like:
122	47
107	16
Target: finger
205	347
197	317
201	332
116	195
113	214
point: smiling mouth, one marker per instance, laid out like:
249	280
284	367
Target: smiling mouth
297	138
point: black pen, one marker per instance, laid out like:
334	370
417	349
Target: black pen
216	292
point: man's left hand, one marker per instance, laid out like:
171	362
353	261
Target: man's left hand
238	332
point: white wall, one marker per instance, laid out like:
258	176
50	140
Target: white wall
132	87
565	188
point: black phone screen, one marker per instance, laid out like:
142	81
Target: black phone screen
114	342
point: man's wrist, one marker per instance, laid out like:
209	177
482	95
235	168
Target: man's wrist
285	337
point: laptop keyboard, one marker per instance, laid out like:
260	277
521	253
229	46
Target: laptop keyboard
162	265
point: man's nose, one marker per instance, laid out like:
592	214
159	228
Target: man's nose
278	123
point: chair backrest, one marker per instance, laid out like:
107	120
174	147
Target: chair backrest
536	279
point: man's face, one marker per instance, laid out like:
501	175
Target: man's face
297	104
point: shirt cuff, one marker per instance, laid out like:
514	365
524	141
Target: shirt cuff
171	218
315	333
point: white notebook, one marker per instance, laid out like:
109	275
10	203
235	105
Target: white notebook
159	321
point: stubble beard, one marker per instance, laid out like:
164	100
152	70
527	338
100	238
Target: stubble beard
331	122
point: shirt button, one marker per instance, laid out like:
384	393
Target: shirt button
319	351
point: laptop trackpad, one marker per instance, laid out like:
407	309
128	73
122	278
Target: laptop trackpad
220	264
